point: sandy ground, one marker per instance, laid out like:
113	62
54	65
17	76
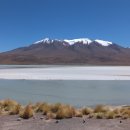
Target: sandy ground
68	73
11	123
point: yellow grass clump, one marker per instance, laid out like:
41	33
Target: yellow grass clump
54	108
78	113
15	110
91	115
125	111
101	108
65	111
110	115
43	107
8	104
27	112
99	115
62	111
87	111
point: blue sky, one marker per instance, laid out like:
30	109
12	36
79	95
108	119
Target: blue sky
23	22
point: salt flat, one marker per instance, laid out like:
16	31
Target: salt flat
67	73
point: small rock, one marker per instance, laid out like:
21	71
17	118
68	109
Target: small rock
120	121
57	121
83	121
19	119
41	118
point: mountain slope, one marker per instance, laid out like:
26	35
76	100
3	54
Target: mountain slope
76	51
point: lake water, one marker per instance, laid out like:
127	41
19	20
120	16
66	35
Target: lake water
75	92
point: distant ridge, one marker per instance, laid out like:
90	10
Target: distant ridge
75	51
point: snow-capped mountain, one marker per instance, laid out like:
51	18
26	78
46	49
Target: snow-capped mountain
86	41
75	51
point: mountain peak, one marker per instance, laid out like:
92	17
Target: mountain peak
74	51
83	40
47	40
86	41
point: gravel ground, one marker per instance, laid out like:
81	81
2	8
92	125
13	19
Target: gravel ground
12	123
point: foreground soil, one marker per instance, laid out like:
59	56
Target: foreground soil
40	123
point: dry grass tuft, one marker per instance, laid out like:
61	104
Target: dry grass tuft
91	115
54	108
60	114
27	112
61	111
65	111
39	107
101	109
99	115
42	107
15	110
78	113
116	111
125	111
87	111
110	115
8	104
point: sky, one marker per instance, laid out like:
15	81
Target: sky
22	22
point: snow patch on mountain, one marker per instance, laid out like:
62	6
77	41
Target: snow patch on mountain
46	40
82	40
103	43
86	41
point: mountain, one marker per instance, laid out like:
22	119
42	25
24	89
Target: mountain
76	51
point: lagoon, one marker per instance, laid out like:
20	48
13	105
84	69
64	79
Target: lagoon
71	84
75	92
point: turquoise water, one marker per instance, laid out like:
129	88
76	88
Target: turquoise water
78	93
